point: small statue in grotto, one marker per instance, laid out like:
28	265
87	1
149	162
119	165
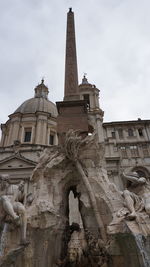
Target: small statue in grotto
11	209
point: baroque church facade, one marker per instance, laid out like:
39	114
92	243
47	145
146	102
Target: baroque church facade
35	126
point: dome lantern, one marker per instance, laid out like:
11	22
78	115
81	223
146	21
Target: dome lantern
41	90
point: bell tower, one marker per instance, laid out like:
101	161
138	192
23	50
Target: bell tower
90	93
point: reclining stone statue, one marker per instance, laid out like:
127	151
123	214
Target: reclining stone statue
137	198
11	206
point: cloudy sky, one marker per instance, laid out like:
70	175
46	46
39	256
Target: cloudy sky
113	48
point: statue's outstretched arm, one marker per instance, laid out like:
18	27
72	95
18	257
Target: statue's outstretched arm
131	178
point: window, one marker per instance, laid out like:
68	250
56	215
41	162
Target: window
51	139
140	131
113	134
87	98
123	151
130	132
120	133
115	148
145	150
134	151
27	134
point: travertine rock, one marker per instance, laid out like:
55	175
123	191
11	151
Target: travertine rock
52	240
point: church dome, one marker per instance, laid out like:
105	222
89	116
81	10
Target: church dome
33	105
39	102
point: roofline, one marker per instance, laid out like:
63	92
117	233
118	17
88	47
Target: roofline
139	121
30	114
20	157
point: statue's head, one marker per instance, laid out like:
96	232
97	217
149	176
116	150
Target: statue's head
46	150
21	185
73	254
142	180
4	180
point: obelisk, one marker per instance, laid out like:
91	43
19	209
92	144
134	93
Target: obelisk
71	69
72	112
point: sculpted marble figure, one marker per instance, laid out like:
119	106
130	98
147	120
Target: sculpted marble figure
10	195
138	198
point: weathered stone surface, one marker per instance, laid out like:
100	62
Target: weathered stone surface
53	241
